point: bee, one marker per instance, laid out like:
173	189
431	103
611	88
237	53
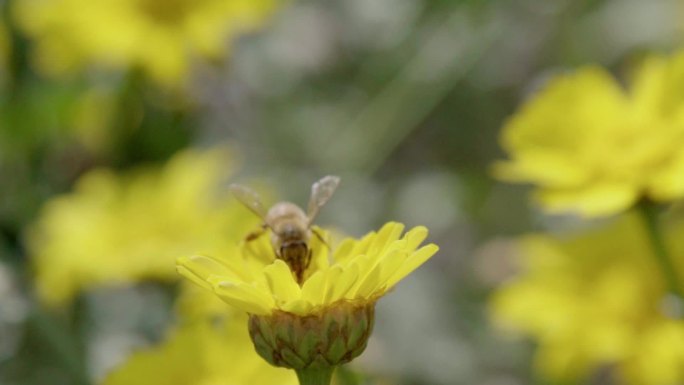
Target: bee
290	226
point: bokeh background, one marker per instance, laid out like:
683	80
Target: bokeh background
123	121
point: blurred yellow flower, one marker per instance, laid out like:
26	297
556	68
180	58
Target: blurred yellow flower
596	300
116	229
202	353
592	148
162	37
361	272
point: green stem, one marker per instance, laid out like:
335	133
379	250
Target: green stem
649	213
315	376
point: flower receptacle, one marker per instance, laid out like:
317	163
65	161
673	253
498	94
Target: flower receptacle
333	336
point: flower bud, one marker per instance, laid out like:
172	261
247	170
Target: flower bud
333	336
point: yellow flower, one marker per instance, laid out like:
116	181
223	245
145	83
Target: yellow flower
327	320
361	271
201	353
596	301
162	37
118	229
593	148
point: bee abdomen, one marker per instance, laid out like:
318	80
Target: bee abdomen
298	256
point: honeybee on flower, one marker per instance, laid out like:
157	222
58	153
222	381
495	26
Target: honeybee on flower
290	226
316	314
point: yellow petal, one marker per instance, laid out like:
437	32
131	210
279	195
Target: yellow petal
667	183
193	277
591	201
199	268
334	274
300	306
544	167
350	274
245	297
411	263
313	287
362	246
657	85
344	250
389	233
364	268
591	100
319	250
390	265
281	283
415	237
378	276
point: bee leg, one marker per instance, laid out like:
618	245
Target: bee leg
320	238
308	260
256	233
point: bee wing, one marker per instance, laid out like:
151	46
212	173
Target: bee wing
321	192
249	198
